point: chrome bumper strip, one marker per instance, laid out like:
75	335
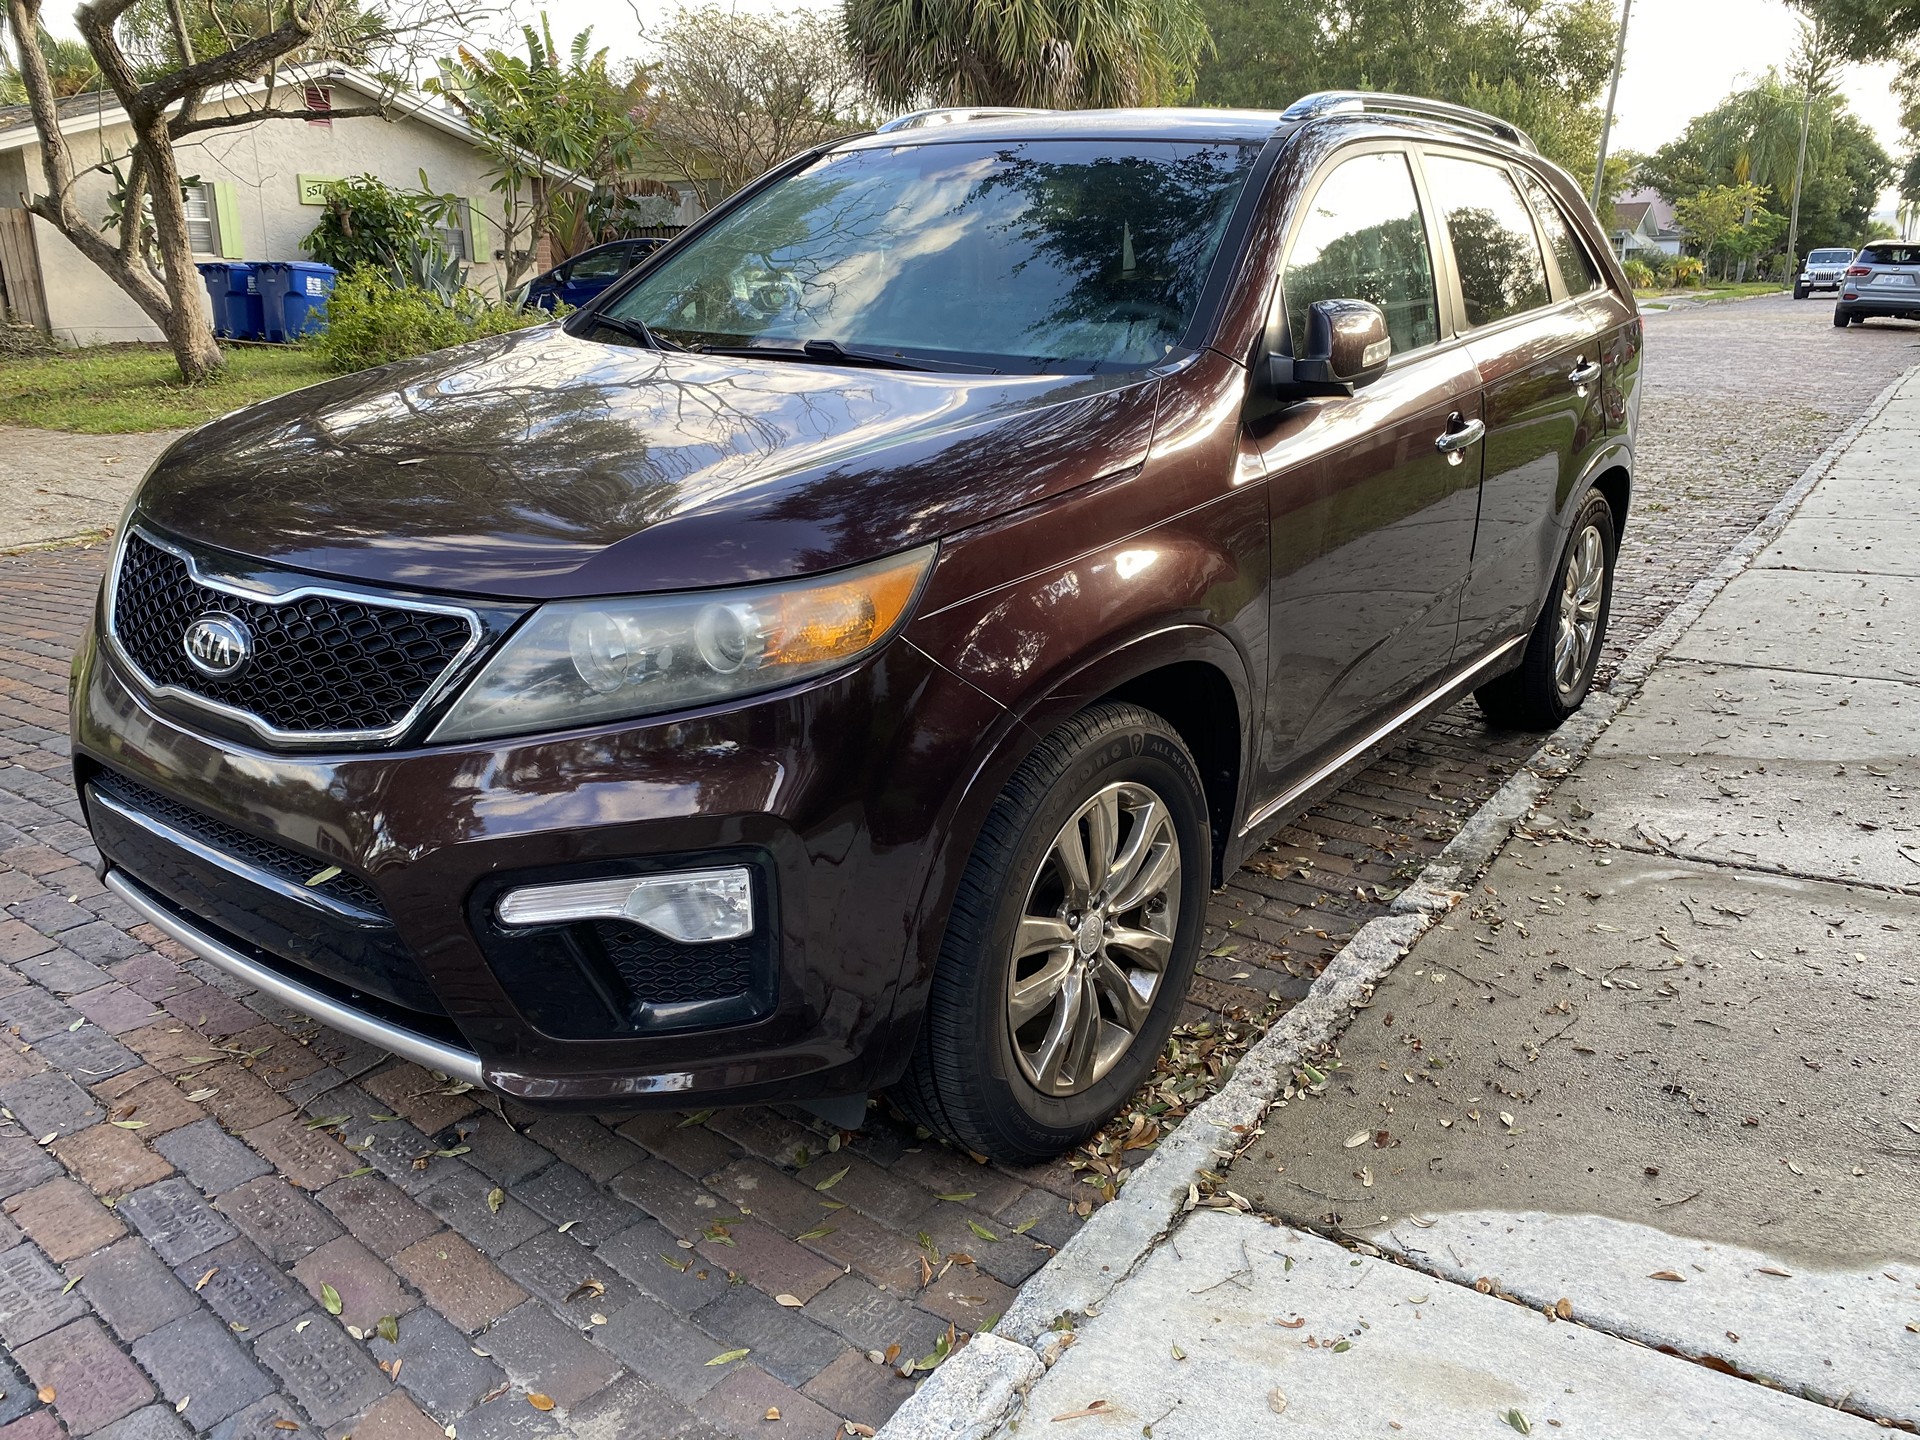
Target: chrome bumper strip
408	1044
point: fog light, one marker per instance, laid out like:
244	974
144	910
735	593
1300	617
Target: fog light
694	907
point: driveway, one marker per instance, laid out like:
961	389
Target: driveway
55	486
612	1264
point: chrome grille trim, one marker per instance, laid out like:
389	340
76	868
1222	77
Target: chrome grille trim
476	634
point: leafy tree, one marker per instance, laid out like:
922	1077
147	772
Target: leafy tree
142	246
1539	63
736	94
1058	53
1727	220
69	66
538	111
1753	137
150	30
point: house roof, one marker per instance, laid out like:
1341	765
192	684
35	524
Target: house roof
87	112
1645	209
1628	215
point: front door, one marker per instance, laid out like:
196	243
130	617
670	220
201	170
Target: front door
1538	347
1372	519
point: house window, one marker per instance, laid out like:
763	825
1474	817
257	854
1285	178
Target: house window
457	239
203	225
319	100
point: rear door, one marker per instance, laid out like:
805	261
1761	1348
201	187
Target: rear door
1372	523
1537	346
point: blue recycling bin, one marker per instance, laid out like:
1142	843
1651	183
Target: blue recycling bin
234	290
293	298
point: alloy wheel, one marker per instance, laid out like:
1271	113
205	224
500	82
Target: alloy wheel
1094	938
1579	616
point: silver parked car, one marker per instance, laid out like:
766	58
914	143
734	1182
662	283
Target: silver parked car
1884	280
1824	270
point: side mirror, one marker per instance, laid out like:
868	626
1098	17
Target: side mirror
1347	346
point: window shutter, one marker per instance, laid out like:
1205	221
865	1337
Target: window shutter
479	233
226	215
319	100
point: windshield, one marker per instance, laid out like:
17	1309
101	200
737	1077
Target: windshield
1830	257
1038	255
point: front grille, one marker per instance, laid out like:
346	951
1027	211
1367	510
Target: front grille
321	664
250	849
659	971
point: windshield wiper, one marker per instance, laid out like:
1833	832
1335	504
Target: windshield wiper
633	330
832	352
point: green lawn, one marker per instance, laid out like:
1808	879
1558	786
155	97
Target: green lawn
118	389
1727	291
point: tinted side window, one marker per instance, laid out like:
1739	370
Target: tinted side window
1494	245
1576	270
605	265
1363	239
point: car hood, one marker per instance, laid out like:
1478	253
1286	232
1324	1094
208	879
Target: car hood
541	465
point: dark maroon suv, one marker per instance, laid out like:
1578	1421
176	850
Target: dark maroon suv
848	652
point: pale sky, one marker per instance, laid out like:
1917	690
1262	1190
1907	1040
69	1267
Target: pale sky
1683	56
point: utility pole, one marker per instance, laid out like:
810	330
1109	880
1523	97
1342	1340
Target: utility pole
1613	93
1814	54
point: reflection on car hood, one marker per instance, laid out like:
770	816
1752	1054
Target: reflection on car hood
540	465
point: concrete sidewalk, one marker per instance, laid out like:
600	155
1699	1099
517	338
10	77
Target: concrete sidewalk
1656	1072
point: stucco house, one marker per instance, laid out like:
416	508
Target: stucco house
255	192
1643	225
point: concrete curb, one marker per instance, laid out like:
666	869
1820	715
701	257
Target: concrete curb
1121	1234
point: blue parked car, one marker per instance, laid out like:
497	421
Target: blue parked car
584	276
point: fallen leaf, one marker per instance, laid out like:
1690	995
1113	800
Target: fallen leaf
1342	1347
320	877
596	1318
1293	1324
729	1357
1354	1142
496	1197
329	1298
1178	1353
982	1231
201	1283
773	1413
792	1302
597	1287
286	1424
1277	1400
833	1179
1518	1422
131	1124
568	1226
46	1394
1667	1275
388	1329
1775	1270
539	1401
958	1196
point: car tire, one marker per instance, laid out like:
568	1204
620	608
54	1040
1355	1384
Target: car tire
1023	1056
1841	319
1564	650
1800	292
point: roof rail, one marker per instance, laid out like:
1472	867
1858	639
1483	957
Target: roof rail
954	115
1353	102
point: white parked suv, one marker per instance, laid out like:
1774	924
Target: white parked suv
1824	270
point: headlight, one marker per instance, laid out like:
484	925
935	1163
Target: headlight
584	661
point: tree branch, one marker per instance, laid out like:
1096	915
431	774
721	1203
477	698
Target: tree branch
246	59
182	125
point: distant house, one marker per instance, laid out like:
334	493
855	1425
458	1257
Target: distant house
1643	225
256	191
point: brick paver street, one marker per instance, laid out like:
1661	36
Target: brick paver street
218	1218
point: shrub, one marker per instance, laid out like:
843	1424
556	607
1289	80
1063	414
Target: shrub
371	320
1639	274
1689	271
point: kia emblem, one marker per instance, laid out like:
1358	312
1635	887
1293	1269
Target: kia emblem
218	645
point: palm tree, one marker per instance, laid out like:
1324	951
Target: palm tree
1054	53
69	63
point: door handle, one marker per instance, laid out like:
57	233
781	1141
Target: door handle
1584	374
1460	435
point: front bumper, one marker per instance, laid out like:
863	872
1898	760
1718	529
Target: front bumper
837	793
